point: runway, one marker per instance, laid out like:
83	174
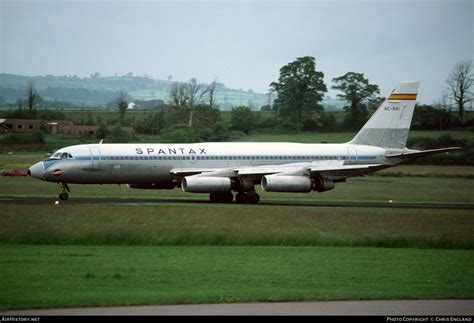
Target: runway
24	200
386	307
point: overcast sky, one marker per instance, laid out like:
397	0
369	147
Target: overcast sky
243	43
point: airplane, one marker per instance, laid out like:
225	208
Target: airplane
222	168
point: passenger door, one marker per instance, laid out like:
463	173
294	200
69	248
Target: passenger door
95	157
352	153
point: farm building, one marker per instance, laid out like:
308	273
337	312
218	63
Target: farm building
78	131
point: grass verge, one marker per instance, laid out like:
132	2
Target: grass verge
72	276
262	225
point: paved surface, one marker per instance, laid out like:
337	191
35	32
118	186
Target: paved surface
411	307
80	200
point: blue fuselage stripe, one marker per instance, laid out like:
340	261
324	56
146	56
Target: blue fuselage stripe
49	163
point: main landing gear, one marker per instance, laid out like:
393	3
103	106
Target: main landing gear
64	191
249	197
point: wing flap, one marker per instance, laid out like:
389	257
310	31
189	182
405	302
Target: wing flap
181	172
345	170
325	170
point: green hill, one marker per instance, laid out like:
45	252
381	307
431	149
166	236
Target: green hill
96	91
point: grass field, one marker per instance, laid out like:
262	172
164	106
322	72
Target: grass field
165	253
207	224
63	276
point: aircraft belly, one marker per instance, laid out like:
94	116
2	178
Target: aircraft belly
120	173
139	172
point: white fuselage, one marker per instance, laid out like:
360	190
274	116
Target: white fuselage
152	163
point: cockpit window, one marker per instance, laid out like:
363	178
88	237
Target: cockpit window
61	155
65	156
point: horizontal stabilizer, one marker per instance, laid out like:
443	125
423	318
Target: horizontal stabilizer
416	154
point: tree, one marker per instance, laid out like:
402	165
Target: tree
459	85
102	131
19	103
192	89
356	90
178	104
300	89
31	96
183	98
242	119
179	133
118	135
206	122
122	104
210	91
177	95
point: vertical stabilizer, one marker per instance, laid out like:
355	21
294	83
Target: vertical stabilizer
389	125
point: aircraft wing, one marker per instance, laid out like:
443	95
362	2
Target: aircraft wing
330	169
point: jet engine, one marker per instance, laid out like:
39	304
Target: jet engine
206	184
282	183
323	184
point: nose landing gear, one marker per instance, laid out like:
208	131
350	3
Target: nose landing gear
64	191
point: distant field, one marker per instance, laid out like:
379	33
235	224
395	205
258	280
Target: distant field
306	137
19	160
225	98
54	142
341	137
430	170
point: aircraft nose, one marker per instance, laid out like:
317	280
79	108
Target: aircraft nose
37	170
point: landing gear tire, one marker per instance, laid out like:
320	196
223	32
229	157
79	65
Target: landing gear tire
240	198
253	198
247	198
218	197
64	191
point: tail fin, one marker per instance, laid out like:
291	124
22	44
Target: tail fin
389	125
